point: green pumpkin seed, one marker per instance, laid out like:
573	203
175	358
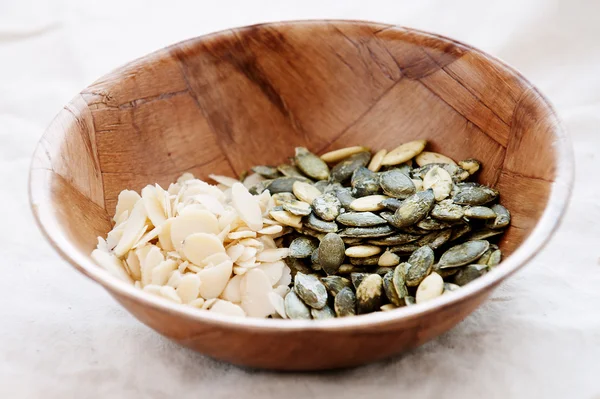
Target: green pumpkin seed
295	308
502	217
444	272
383	270
259	187
310	290
268	172
459	231
494	259
463	254
391	203
360	219
364	182
470	165
310	232
321	314
431	224
448	211
352	240
331	253
344	169
302	247
284	184
345	303
404	249
480	212
473	194
435	239
369	294
314	257
390	291
450	287
367	261
335	284
313	222
327	206
483	260
289	171
322	185
281	198
413	209
345	196
399	280
299	208
440	181
377	231
311	165
484	234
469	273
421	263
397	184
357	278
297	265
396	239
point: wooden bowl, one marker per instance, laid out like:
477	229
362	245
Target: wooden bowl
224	102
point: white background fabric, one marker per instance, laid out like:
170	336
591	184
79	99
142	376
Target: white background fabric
62	336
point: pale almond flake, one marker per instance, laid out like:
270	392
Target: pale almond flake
232	291
252	180
188	288
272	255
237	235
224	233
215	259
133	264
282	290
375	163
268	242
342	153
149	236
249	253
263	200
224	180
121	218
210	203
440	181
194	268
247	206
427	157
197	221
277	302
164	236
387	307
183	266
209	303
185	177
152	289
162	272
238	270
152	259
286	277
248	264
255	288
273	270
235	251
154	209
227	308
274	229
169	293
135	224
114	236
125	202
214	279
287	218
197	303
111	264
198	246
174	279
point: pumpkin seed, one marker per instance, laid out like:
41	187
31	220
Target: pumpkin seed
342	153
295	308
310	289
463	254
427	157
376	231
369	294
409	300
494	259
345	303
305	191
365	261
335	284
344	169
286	218
404	249
321	314
431	287
421	262
352	240
302	247
418	184
502	217
360	219
404	152
310	232
268	172
281	198
289	171
297	265
473	194
413	209
396	239
331	253
391	203
259	187
364	182
399	280
327	206
357	278
471	165
458	174
444	272
397	184
375	163
388	258
469	273
362	251
345	196
440	181
383	270
310	164
459	231
368	203
435	239
480	212
299	208
448	211
284	184
430	224
390	290
449	287
484	234
317	224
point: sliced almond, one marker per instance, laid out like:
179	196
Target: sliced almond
246	206
214	279
248	264
211	203
209	303
121	218
238	270
125	202
282	290
418	184
237	235
387	307
263	200
149	236
232	291
249	253
153	259
368	203
188	288
287	218
227	308
224	233
152	289
135	224
431	287
272	255
197	303
375	163
114	236
404	152
235	251
273	270
268	242
252	180
111	264
198	246
286	277
362	251
277	302
305	191
215	259
274	229
197	221
342	153
169	293
162	272
255	288
225	180
164	236
133	264
154	209
427	157
174	279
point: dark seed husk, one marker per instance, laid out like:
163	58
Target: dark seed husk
344	169
383	270
473	195
335	284
390	290
297	265
347	269
311	165
282	198
387	216
397	184
345	303
435	239
502	217
413	209
321	314
352	240
310	232
396	239
268	172
447	210
463	254
314	257
331	253
260	187
284	184
360	219
445	272
469	273
327	206
369	294
430	224
494	259
296	207
391	203
484	234
409	300
302	247
377	231
316	267
364	182
310	290
421	262
483	260
369	261
313	222
289	171
345	196
404	249
399	279
480	212
459	231
321	185
357	278
295	308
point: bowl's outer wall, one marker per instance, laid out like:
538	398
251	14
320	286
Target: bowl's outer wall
224	102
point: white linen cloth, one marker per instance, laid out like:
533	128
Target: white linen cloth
62	336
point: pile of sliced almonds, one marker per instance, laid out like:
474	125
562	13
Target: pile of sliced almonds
210	247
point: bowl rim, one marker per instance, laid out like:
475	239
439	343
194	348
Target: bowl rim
560	193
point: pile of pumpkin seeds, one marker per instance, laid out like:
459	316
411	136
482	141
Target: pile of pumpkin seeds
378	232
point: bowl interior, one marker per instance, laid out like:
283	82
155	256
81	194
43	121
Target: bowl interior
225	102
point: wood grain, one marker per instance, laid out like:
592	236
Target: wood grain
224	102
